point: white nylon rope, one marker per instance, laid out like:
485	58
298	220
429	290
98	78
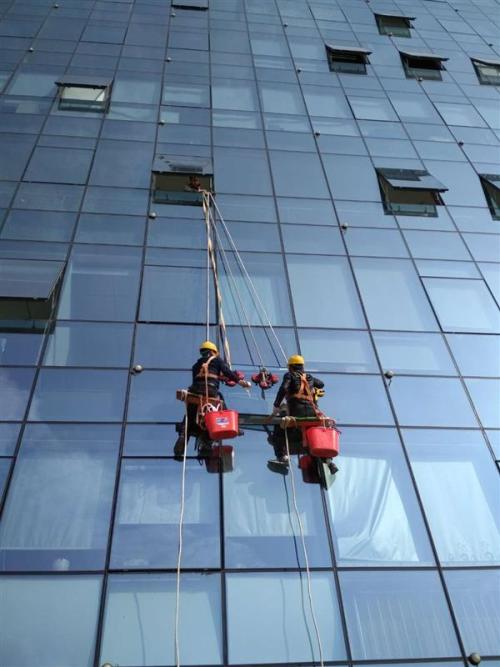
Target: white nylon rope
179	550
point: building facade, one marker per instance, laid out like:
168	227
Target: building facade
353	148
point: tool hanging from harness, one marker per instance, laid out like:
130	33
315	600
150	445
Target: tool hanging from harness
264	379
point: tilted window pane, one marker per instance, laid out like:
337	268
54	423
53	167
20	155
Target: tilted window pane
335	302
78	395
393	295
58	614
89	344
270	596
15	385
56	516
140	617
258	538
458	484
427	401
476	355
463	305
146	531
476	603
375	604
345	351
28	279
375	515
101	283
419	353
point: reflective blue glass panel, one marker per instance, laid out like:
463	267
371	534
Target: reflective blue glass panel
393	295
152	396
146	531
4	471
15	384
56	516
149	439
356	399
415	353
255	535
140	617
335	302
8	438
167	346
458	484
344	351
19	349
476	603
376	520
89	344
431	402
375	604
58	614
270	598
78	395
463	305
486	398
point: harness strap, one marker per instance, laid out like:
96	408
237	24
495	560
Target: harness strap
306	394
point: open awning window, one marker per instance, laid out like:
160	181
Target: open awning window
181	180
421	65
406	179
410	192
487	70
394	24
347	59
82	93
491	187
190	4
28	291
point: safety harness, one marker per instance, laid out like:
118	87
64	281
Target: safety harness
305	393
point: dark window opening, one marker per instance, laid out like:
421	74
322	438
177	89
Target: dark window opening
491	187
422	65
410	192
29	291
197	5
488	71
347	60
78	93
181	181
397	26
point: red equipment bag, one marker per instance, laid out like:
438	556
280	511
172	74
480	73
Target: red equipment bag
322	442
222	424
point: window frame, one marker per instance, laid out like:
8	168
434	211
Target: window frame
347	55
197	6
492	193
168	172
84	83
392	205
422	66
384	26
486	79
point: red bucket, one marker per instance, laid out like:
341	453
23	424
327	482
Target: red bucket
322	442
222	425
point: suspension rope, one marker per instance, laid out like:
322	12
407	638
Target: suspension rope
218	292
179	550
227	264
306	557
257	298
206	210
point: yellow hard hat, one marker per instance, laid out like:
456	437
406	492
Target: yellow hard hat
296	360
208	345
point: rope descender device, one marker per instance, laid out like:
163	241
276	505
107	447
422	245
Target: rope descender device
265	379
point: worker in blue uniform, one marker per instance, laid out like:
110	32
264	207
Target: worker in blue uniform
207	374
300	390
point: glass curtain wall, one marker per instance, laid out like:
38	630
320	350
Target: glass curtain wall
397	312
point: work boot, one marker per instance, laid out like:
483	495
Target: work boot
280	464
331	466
179	446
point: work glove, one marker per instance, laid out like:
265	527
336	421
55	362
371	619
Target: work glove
245	384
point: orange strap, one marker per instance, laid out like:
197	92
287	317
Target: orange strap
306	394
